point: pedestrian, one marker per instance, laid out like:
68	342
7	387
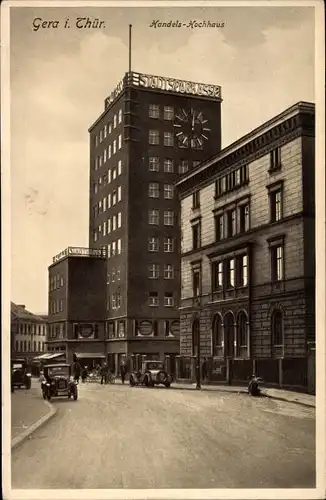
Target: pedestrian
104	374
204	369
123	371
77	370
84	374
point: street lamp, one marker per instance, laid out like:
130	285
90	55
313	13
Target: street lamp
197	333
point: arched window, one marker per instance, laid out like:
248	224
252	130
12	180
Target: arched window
242	334
217	336
277	329
195	337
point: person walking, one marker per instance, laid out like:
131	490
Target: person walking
104	374
204	369
123	371
77	371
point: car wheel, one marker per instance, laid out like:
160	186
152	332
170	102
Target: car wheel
69	395
132	382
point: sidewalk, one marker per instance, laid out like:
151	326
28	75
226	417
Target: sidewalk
28	412
278	394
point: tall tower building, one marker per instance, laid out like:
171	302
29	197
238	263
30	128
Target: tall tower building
151	132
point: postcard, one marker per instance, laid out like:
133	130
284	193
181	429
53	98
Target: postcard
163	215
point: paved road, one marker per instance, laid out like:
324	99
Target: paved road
121	437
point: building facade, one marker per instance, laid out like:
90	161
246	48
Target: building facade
153	130
77	300
28	332
248	248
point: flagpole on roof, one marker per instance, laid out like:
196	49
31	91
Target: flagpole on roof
130	26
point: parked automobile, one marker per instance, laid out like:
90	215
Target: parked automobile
58	381
20	374
152	373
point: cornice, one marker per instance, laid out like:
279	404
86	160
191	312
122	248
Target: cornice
282	133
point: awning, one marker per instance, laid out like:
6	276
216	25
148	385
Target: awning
89	355
49	355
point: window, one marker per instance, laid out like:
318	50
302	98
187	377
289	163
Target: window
230	273
95	188
109	151
104	204
104	228
109	248
183	167
232	222
153	190
119	246
232	180
113	301
168	113
119	193
154	137
105	130
154	111
196	236
277	328
100	206
110	128
275	205
101	135
219	227
119	167
118	301
242	331
120	141
109	176
168	218
168	272
95	235
153	299
196	199
114	146
168	165
120	116
114	198
96	163
244	218
100	163
154	164
196	282
100	229
109	200
243	270
168	299
153	271
153	244
217	336
168	139
119	220
104	155
275	159
217	276
118	274
168	245
113	248
277	263
96	141
168	191
114	121
153	217
114	223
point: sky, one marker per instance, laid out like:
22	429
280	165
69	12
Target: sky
263	59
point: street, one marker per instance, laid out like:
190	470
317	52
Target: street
116	436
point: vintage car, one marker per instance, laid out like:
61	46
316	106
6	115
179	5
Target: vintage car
152	373
20	374
58	381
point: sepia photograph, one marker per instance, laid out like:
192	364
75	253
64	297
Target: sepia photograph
163	224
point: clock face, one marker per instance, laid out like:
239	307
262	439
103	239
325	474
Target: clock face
191	129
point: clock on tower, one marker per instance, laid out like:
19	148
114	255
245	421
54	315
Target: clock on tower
191	129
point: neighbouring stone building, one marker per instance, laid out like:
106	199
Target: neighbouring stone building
28	332
248	252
